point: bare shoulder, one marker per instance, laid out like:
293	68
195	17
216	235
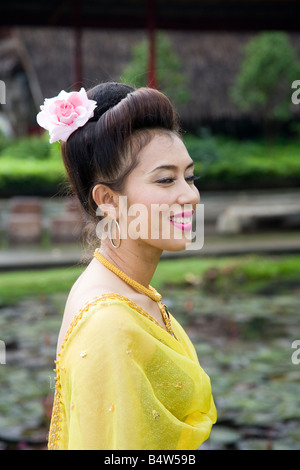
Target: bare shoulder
90	284
93	282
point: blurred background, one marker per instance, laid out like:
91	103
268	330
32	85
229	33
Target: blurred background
229	67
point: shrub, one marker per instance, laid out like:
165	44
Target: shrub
26	147
170	77
224	163
33	166
263	85
30	176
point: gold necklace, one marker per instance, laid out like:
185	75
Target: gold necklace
150	291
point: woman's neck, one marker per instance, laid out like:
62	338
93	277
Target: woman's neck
137	260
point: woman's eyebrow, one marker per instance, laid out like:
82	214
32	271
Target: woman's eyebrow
170	167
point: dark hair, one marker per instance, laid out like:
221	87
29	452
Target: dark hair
105	149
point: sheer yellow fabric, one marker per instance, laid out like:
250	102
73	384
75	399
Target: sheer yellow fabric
123	382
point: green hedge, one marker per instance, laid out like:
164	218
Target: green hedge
224	163
30	176
32	166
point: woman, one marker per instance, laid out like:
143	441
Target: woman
128	377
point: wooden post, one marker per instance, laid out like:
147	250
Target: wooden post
77	45
151	14
78	58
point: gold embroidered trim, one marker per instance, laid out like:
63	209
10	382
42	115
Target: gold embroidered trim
54	432
129	302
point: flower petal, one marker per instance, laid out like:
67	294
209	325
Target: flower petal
69	119
63	114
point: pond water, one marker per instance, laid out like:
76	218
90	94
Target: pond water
245	345
244	342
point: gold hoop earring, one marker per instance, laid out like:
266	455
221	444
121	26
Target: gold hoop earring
110	233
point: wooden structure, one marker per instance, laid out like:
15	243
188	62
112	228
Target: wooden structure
213	15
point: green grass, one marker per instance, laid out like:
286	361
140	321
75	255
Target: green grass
16	285
228	273
175	271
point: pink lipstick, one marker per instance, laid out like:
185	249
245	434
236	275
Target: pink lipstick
182	220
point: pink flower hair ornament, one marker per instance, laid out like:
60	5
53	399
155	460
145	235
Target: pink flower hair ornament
64	113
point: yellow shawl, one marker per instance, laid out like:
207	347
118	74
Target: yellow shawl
124	382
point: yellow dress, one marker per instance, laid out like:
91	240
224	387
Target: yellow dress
124	382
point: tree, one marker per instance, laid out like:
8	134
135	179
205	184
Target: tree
263	84
170	79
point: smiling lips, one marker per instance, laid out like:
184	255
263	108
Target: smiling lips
182	220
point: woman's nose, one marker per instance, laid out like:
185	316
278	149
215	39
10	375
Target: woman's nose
188	194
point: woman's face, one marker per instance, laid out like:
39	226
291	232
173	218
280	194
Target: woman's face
161	195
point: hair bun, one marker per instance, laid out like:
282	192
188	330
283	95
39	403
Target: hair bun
105	150
107	96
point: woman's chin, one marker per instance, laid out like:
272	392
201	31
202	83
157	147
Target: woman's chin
177	245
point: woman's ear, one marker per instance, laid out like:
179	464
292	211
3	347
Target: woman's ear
106	199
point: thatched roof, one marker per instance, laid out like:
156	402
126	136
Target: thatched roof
209	60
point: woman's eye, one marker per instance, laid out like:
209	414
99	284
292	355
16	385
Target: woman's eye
192	178
189	179
166	180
